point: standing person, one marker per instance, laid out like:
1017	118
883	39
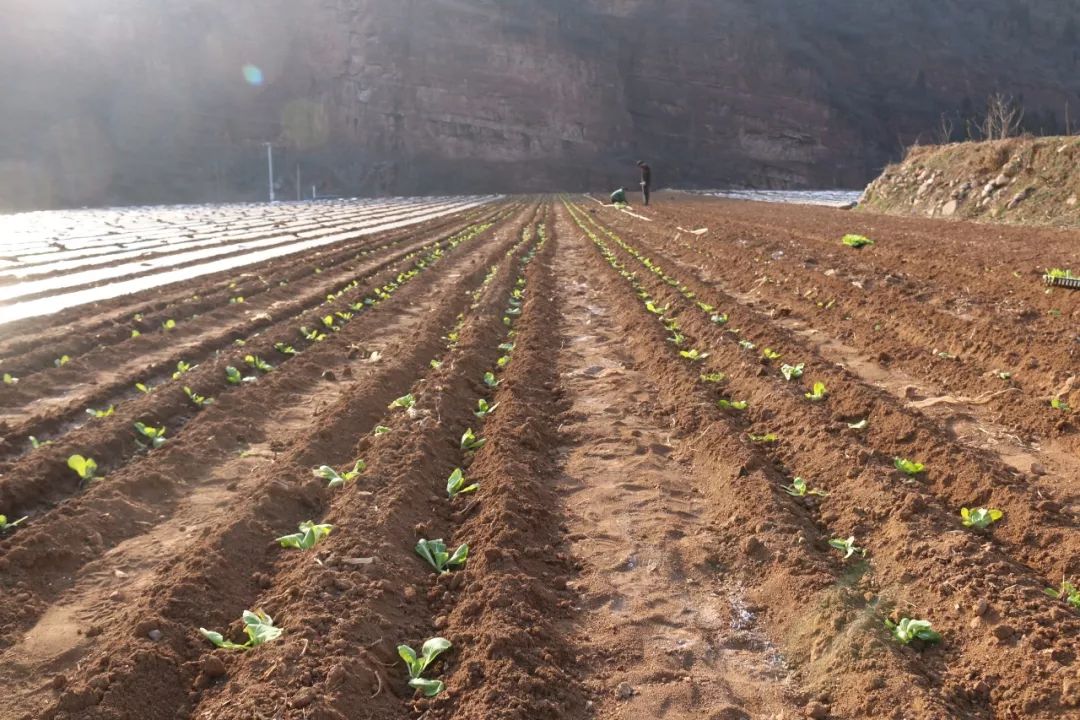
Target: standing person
646	180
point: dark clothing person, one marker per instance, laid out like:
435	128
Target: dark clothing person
619	196
646	180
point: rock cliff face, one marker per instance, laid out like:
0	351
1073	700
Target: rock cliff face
131	101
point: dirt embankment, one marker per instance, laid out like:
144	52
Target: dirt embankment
1019	180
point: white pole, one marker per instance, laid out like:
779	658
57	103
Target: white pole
270	168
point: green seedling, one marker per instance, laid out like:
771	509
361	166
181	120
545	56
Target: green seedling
168	325
156	436
1059	404
62	361
818	394
766	438
328	323
732	404
716	377
435	552
980	518
309	536
181	368
239	342
405	401
236	300
705	307
258	363
746	345
791	372
338	480
907	630
35	443
144	388
470	442
484	408
5	525
101	413
1059	273
1067	592
10	379
503	361
312	335
860	424
770	354
677	338
847	546
85	468
719	318
908	467
693	355
435	364
1004	375
136	333
417	665
380	430
455	484
799	488
651	307
507	347
196	399
490	380
856	241
258	626
234	377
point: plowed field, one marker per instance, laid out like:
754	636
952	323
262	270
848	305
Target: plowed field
660	496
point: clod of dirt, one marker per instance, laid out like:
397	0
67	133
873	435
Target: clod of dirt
303	698
58	681
816	710
1037	469
329	375
212	666
624	691
1003	632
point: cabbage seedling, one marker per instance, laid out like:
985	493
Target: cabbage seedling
435	363
908	467
168	325
309	536
1059	404
156	436
435	552
651	307
1068	592
417	665
196	399
181	368
716	377
980	518
732	404
143	388
258	363
101	413
10	379
85	468
381	430
799	488
507	347
455	484
791	372
62	360
136	333
860	425
471	443
705	307
746	345
490	380
693	355
818	393
503	361
236	300
328	323
767	438
484	408
35	443
907	630
328	473
285	349
405	401
313	335
258	626
677	338
5	525
847	546
720	318
856	241
233	376
770	354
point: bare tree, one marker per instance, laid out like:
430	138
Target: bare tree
1004	117
945	129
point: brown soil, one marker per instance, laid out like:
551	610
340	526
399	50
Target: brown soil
632	551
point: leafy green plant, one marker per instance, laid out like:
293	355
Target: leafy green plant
799	488
507	347
196	399
135	333
732	404
856	241
258	363
418	664
770	354
1059	273
490	380
10	379
436	553
405	401
337	480
328	323
35	443
181	368
719	318
654	309
309	536
156	436
677	338
456	484
101	413
1067	592
435	364
284	349
908	467
236	300
168	325
766	438
693	355
791	372
143	388
503	361
258	626
234	376
312	335
1003	375
5	525
716	377
818	394
859	424
484	408
980	518
380	430
847	546
62	360
470	442
1059	404
907	630
85	468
